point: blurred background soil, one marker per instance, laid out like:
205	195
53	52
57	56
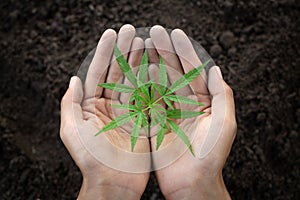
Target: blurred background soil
256	43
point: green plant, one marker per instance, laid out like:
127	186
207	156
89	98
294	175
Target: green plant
143	103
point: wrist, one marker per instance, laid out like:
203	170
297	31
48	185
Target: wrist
203	189
94	190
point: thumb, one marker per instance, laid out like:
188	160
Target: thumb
222	96
222	130
71	112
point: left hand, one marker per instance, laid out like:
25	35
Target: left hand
211	134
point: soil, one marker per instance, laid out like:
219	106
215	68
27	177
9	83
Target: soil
256	43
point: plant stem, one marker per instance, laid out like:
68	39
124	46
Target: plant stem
157	100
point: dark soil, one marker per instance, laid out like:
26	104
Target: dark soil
256	43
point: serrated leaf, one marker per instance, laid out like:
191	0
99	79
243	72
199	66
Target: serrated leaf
160	136
182	114
161	109
148	84
183	99
158	89
163	77
168	102
154	122
157	117
137	99
124	106
177	130
132	97
153	119
187	78
117	87
118	121
145	123
124	66
161	117
143	71
144	89
152	92
136	130
138	102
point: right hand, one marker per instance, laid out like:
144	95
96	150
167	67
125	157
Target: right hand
85	112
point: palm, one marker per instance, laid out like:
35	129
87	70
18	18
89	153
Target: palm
96	115
187	166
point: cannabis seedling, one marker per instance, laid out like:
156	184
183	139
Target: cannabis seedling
143	101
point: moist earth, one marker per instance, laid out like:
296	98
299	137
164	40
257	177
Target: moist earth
256	44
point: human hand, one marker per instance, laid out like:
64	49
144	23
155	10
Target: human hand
105	160
211	134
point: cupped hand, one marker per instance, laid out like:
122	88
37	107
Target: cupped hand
106	161
179	173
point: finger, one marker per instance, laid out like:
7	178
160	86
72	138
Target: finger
189	60
164	47
124	41
71	112
136	52
152	53
134	60
223	126
99	65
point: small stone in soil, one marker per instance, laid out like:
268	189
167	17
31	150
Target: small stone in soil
215	50
227	39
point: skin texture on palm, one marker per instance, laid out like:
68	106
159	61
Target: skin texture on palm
211	134
85	112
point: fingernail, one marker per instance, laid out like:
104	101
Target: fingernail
72	82
219	72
